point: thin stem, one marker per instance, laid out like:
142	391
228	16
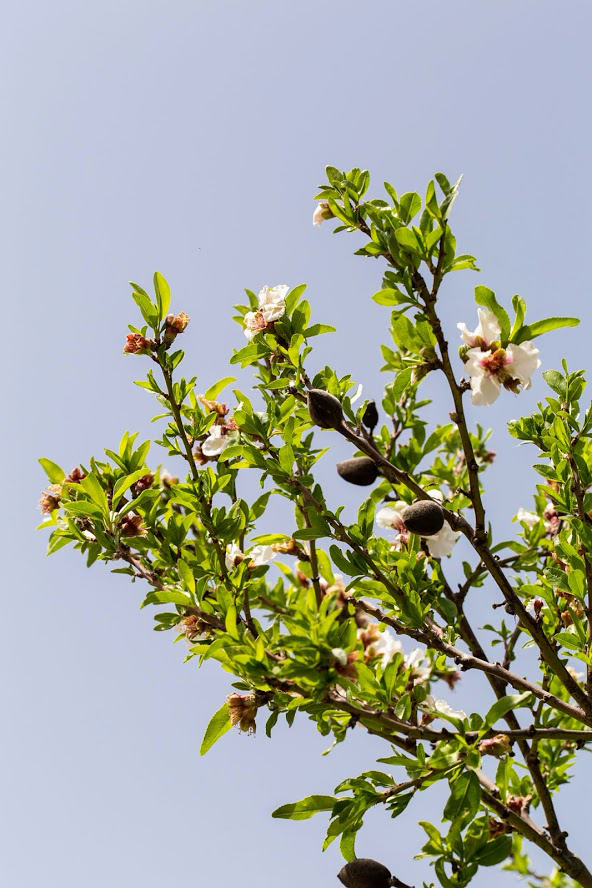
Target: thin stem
176	411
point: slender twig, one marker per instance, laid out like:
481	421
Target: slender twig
509	645
565	859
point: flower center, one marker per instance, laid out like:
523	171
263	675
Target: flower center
495	361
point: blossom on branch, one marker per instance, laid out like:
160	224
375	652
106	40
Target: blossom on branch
490	366
272	307
379	644
441	544
440	707
530	519
322	212
218	440
261	555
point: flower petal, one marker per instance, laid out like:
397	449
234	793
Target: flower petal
523	360
485	390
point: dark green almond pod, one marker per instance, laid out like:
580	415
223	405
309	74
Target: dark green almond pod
324	408
370	417
424	518
364	873
361	470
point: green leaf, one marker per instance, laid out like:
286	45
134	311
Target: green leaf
52	470
531	331
82	507
407	239
147	309
568	640
401	382
186	575
168	596
443	183
318	330
219	725
446	205
387	297
556	381
501	707
305	809
163	295
465	797
213	392
486	298
230	622
409	206
286	458
519	306
494	852
125	483
347	845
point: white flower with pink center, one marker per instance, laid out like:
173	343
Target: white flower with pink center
487	331
512	367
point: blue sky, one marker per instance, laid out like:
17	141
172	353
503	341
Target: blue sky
189	137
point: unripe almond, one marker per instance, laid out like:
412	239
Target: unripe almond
361	470
423	517
370	417
324	408
364	873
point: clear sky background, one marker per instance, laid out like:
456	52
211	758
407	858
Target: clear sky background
189	137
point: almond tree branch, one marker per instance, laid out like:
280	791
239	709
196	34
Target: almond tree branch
477	536
565	859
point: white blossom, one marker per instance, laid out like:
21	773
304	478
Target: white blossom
390	516
321	213
488	370
386	647
441	544
414	661
435	707
272	302
217	441
233	555
380	644
487	330
261	555
339	655
529	518
254	323
523	360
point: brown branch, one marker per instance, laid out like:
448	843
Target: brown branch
565	859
